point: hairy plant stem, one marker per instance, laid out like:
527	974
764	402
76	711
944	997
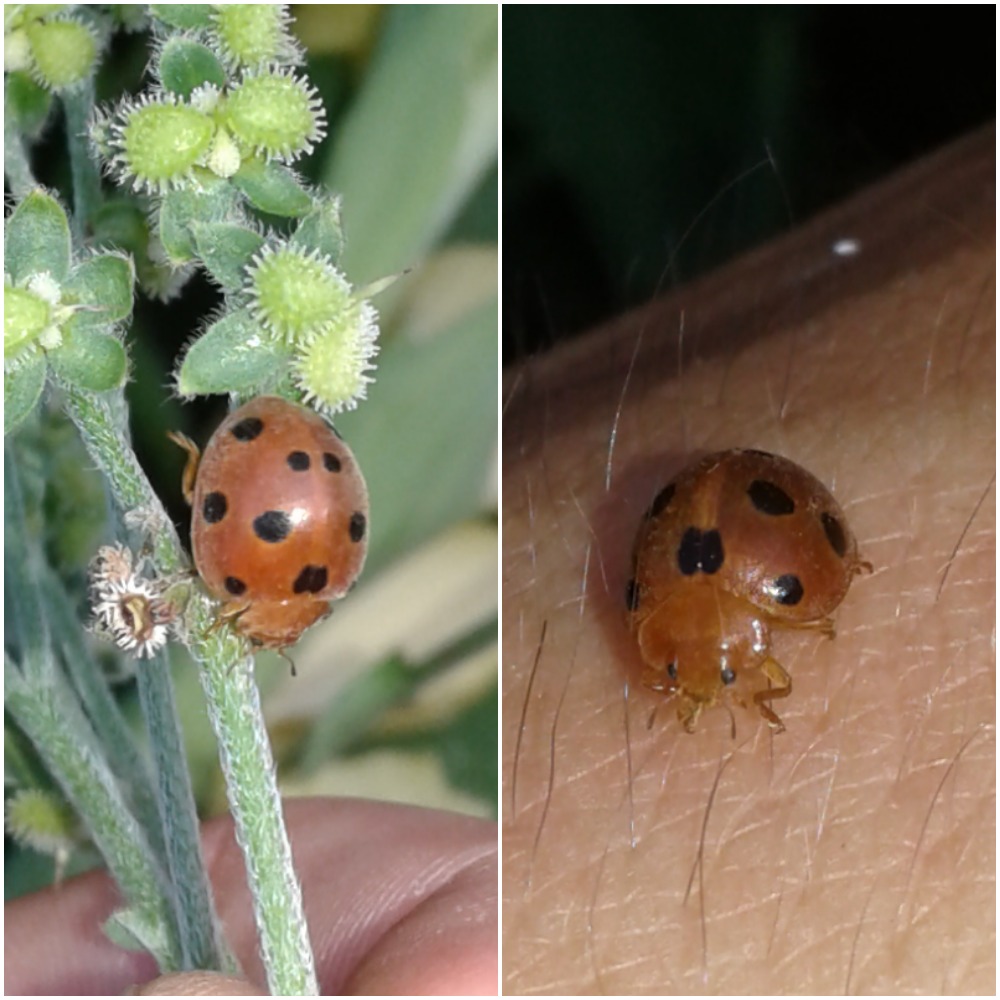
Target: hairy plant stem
47	708
16	166
78	104
235	712
201	936
248	765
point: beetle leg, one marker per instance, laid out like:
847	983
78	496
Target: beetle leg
782	682
191	469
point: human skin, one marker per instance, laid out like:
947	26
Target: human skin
398	900
855	852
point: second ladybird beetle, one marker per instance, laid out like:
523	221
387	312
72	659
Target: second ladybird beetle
739	544
279	524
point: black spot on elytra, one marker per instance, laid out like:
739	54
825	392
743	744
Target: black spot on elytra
298	461
311	580
786	589
214	507
247	429
330	462
661	500
272	526
235	585
357	526
835	534
632	595
672	671
728	675
770	499
700	552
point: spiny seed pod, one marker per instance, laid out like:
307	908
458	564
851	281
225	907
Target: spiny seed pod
252	35
155	142
294	292
331	368
275	114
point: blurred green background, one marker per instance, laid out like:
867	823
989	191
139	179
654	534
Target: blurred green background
396	695
645	145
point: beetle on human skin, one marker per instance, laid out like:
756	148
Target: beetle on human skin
738	545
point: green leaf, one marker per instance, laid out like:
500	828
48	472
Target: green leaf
226	249
37	238
232	355
185	65
105	282
183	15
130	929
27	102
420	135
121	223
321	229
21	388
179	209
272	188
89	360
475	728
433	406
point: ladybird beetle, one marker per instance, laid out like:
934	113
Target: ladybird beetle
737	545
279	519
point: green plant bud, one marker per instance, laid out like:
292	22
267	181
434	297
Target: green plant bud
275	115
42	820
63	52
25	316
158	142
331	369
16	52
254	34
295	292
224	158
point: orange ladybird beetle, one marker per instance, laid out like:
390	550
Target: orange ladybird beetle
279	521
740	543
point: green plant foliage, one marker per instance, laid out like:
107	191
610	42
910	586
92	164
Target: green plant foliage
104	283
90	360
183	15
185	65
27	102
21	391
232	355
37	239
226	249
272	188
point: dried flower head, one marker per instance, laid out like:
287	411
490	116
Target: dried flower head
129	609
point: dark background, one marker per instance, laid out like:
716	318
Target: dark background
645	145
